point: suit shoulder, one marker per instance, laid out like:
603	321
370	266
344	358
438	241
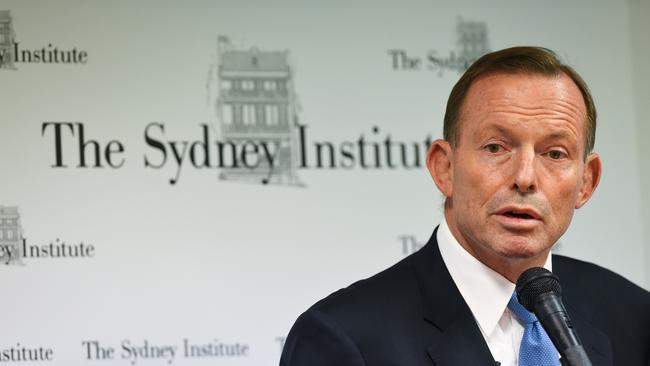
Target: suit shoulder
610	303
380	313
377	291
590	275
361	323
317	340
600	285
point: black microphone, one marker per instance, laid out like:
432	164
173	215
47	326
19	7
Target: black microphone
539	291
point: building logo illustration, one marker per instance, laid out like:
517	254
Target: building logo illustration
7	36
471	43
256	102
12	52
14	248
11	236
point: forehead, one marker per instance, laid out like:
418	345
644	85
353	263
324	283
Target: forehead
523	97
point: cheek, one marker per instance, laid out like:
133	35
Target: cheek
476	181
563	196
473	189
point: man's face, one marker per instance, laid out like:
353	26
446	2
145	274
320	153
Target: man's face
518	170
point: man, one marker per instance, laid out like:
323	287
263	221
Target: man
515	162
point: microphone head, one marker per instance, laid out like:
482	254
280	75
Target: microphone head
535	282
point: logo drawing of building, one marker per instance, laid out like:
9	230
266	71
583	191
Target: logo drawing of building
11	234
7	36
256	102
472	41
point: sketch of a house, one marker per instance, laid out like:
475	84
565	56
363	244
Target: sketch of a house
256	101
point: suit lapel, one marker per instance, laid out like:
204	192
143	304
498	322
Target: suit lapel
456	338
595	342
581	312
460	343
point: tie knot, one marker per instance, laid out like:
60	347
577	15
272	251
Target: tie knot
520	312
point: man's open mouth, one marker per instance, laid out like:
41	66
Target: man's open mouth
518	215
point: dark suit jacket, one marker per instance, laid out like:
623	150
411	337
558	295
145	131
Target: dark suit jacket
412	314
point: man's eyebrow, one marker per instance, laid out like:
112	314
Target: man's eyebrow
560	135
493	128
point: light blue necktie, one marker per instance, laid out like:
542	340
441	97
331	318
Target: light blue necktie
536	347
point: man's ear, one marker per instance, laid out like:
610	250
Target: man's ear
439	162
590	179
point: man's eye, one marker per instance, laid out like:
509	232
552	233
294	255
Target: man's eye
493	148
556	154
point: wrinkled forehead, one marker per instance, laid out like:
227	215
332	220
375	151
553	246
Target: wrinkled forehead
553	96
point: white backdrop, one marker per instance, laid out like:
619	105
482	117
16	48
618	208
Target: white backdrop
228	265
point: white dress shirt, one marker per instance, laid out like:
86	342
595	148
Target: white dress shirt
487	294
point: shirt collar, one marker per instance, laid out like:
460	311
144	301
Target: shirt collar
485	291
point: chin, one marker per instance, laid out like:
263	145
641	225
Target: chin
520	249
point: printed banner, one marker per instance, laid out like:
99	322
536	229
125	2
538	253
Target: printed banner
180	180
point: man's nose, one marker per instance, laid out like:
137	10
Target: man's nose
525	177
